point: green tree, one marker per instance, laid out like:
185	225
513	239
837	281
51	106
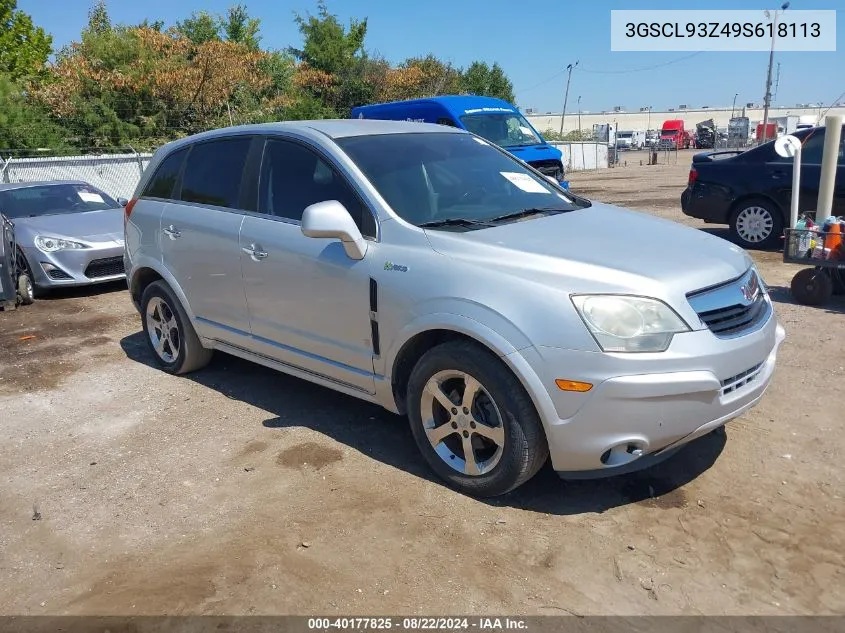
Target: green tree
327	45
481	79
200	27
98	18
24	47
23	125
240	28
335	68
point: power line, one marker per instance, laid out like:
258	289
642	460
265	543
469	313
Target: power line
544	82
638	70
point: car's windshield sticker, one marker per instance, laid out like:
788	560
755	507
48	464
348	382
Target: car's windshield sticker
90	197
524	182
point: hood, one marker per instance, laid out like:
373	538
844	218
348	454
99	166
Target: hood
604	248
531	153
88	226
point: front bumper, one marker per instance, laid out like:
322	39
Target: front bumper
99	264
642	405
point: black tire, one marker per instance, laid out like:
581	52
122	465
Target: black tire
190	354
26	291
838	277
524	449
773	218
811	287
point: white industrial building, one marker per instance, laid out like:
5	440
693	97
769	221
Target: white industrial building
652	120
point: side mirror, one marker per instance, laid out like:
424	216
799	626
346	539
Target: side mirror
122	201
330	219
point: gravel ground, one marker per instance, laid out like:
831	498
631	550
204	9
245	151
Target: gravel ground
238	490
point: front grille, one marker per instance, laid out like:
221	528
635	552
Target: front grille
732	308
548	167
106	267
734	383
56	273
733	319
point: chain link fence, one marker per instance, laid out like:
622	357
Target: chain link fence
115	171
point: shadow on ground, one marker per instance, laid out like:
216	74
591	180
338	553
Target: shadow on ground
782	294
383	436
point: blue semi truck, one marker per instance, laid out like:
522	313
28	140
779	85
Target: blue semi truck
493	119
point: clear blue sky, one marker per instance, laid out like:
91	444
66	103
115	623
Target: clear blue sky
533	41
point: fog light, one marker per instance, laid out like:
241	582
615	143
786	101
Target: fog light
573	385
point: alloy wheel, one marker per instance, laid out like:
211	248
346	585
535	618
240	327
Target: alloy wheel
462	422
163	329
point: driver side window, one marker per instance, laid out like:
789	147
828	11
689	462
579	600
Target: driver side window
294	177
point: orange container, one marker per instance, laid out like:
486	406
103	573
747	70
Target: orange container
833	238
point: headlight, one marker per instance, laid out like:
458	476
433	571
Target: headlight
51	244
621	323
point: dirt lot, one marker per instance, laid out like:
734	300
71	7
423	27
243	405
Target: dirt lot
239	490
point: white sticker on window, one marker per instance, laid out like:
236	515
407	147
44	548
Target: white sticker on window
87	196
524	182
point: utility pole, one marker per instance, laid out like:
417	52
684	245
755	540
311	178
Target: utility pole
579	117
648	120
569	67
768	98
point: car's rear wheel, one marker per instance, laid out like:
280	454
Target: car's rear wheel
169	332
473	421
756	224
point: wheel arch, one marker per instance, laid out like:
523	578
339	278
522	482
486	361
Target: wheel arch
434	329
145	273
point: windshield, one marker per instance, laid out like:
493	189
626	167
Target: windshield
668	132
505	129
433	177
53	199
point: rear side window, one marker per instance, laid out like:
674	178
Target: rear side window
162	183
214	170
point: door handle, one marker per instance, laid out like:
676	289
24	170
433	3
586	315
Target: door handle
254	252
172	232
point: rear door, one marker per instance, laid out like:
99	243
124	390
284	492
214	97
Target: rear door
199	235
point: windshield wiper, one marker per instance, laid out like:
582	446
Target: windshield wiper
522	213
454	222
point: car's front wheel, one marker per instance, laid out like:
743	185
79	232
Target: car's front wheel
756	224
472	420
26	291
169	332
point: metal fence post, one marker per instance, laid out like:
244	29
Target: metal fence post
138	158
3	176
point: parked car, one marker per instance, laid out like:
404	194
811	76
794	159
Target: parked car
750	190
422	268
70	232
493	119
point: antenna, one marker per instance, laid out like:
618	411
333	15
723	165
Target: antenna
777	83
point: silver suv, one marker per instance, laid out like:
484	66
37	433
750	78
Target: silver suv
422	268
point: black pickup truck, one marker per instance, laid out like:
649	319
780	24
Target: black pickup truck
750	190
